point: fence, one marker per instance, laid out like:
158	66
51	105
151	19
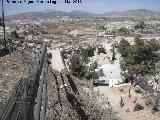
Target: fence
21	104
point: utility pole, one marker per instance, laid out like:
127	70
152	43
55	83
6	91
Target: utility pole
3	25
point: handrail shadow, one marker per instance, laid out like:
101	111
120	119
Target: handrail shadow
72	84
58	90
74	102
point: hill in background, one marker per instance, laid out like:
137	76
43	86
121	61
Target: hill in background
55	13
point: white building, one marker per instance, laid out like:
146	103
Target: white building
111	73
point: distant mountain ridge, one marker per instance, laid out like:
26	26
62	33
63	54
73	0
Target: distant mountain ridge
55	13
138	13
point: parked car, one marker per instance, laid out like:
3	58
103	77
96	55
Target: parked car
100	82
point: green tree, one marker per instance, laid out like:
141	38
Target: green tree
14	34
122	47
154	45
79	68
140	25
140	58
138	41
76	67
84	55
138	107
123	31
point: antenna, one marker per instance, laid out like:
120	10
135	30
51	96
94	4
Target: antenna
3	25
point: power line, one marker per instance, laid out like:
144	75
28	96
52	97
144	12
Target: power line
3	25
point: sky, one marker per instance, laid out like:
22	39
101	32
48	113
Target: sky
94	6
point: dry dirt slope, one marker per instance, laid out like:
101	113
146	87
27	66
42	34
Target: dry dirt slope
68	101
64	103
11	69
